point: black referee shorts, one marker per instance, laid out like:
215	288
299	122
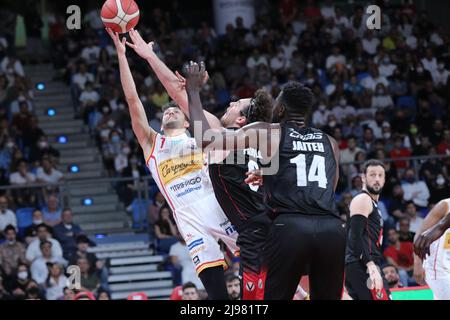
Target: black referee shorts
300	244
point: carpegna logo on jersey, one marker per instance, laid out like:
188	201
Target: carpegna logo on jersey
310	136
176	168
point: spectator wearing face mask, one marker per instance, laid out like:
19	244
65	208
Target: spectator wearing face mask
7	216
42	149
386	68
12	252
440	75
31	231
18	286
320	116
381	99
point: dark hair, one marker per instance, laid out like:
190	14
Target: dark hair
100	291
188	285
297	98
8	228
66	209
44	243
390	265
409	202
231	277
260	108
373	163
172	104
42	225
82	239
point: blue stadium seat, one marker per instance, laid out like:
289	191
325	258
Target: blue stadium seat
24	219
140	213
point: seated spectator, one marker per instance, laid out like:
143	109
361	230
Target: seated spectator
69	294
158	202
47	173
12	253
181	261
23	177
233	284
103	295
41	149
357	185
89	279
400	255
190	292
397	207
89	99
7	216
31	231
414	220
17	286
34	292
165	230
404	232
56	282
67	232
34	250
416	191
52	211
40	266
391	275
348	154
382	99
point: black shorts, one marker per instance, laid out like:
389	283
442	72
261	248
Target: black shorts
356	282
300	244
251	240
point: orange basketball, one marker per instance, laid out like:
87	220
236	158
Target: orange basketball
120	15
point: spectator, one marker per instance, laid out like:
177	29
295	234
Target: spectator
348	154
404	232
382	99
47	173
89	280
336	59
103	295
440	76
12	253
88	100
31	231
52	211
7	216
392	277
400	255
190	291
34	250
181	261
414	190
399	151
67	232
39	267
56	282
155	208
42	149
18	286
233	287
23	177
69	294
165	230
414	220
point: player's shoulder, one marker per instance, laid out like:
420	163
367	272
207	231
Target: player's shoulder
361	204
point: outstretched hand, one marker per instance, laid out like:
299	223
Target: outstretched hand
142	48
120	44
195	75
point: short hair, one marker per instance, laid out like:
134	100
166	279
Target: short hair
8	228
66	209
232	277
171	104
42	225
297	98
188	285
409	202
389	265
82	239
43	243
260	108
373	163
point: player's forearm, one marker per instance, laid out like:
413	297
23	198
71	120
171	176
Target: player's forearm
169	80
126	78
197	116
357	226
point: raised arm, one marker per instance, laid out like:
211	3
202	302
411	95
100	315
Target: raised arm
144	133
173	83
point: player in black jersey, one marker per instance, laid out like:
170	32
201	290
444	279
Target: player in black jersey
307	235
363	258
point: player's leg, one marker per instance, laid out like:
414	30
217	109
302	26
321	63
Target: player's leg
251	243
206	255
326	278
286	255
439	286
356	281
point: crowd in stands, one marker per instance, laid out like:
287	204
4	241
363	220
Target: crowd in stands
381	94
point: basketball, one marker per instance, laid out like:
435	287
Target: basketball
120	15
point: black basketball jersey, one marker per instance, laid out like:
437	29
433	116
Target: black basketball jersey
304	182
373	236
238	200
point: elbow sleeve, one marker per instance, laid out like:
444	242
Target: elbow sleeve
360	246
